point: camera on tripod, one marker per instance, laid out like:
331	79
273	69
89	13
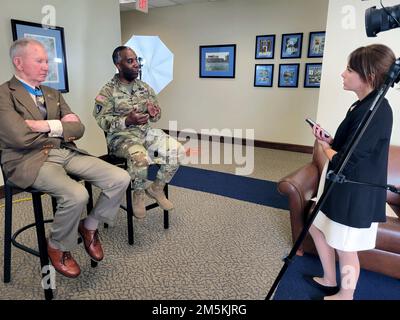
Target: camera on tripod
377	20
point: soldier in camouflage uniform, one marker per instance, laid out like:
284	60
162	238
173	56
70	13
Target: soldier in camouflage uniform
124	109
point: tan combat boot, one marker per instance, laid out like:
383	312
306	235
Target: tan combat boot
139	209
156	192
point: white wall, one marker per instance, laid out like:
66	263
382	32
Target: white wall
346	32
276	114
92	31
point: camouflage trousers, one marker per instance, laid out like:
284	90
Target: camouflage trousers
152	147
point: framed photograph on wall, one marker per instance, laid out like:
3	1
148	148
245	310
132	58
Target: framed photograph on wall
312	77
291	45
53	40
217	61
316	44
263	75
289	75
265	47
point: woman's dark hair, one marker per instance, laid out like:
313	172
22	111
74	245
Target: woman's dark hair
372	63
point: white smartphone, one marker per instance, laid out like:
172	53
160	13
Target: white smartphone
312	123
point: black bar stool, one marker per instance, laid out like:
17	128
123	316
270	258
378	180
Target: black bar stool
11	238
121	162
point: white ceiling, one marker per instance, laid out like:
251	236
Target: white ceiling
126	5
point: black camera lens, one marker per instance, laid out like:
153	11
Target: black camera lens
377	20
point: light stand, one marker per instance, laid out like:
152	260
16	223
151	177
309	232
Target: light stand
336	176
140	60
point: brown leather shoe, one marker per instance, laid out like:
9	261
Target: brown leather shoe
63	262
91	242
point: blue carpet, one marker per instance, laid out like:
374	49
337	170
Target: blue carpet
371	285
242	188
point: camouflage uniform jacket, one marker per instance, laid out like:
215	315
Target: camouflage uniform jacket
115	101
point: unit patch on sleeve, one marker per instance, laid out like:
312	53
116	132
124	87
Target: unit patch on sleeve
99	107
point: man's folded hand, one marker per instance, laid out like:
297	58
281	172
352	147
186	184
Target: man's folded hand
38	125
134	118
153	109
71	117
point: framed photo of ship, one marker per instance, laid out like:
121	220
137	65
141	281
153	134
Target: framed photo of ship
263	75
289	75
217	61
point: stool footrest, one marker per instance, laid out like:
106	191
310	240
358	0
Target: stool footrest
22	246
152	206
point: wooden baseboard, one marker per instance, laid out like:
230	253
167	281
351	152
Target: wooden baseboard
283	146
221	139
257	143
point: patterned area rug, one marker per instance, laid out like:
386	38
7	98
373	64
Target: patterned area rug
216	248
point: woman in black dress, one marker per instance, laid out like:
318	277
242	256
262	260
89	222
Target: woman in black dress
348	220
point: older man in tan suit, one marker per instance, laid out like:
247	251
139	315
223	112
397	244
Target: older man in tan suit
37	130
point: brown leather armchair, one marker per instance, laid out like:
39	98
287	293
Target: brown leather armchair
301	186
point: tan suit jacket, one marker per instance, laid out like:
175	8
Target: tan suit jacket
24	151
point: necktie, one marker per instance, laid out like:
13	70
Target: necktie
41	104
